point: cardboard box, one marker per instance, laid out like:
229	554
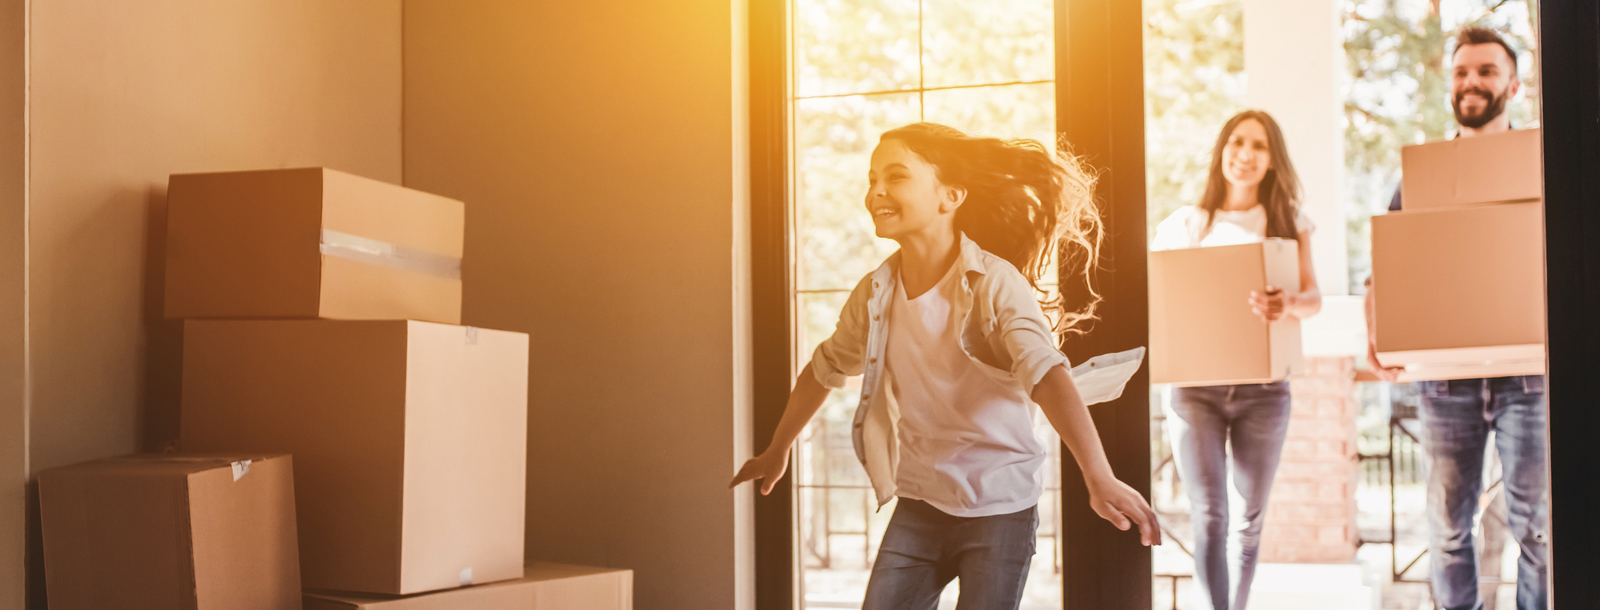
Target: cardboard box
159	532
1202	331
410	439
543	586
1459	292
310	243
1484	169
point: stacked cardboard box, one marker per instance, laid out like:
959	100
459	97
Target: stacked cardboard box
543	586
321	319
1202	331
156	532
1458	273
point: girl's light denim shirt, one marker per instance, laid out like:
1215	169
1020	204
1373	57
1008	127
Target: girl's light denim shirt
1003	331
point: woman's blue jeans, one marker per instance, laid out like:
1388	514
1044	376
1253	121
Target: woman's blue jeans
924	549
1205	423
1456	419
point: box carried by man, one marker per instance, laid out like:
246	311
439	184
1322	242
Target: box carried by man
1458	273
1499	168
1459	292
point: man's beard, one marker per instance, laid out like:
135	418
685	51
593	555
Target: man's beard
1494	106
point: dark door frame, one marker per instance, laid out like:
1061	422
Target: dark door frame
777	556
1569	43
1100	112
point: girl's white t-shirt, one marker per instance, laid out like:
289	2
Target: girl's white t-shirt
1186	228
967	442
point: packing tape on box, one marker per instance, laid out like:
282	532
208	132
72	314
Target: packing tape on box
384	254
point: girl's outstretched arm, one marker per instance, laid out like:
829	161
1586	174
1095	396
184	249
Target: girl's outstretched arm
804	400
1110	498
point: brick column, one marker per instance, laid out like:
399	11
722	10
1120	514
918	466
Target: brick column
1312	515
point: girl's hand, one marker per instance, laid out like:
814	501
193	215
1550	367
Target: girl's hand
1272	304
767	467
1118	503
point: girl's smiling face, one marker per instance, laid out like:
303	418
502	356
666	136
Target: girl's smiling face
906	197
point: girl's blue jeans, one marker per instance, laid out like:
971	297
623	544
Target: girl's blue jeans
924	549
1205	422
1457	417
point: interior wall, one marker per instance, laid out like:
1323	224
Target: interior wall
13	295
594	144
123	94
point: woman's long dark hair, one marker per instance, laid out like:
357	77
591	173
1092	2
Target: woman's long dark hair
1279	192
1025	203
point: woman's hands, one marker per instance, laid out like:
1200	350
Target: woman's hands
767	467
1118	503
1273	303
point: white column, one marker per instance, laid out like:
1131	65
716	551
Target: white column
1294	60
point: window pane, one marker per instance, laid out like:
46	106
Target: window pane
994	41
834	138
855	46
819	314
1010	111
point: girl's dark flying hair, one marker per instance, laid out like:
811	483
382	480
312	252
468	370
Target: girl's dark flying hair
1279	192
1025	203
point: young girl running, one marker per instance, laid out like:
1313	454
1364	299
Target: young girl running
956	349
1251	194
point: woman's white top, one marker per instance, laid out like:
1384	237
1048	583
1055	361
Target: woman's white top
967	442
1186	228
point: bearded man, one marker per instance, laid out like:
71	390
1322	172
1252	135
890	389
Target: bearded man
1458	415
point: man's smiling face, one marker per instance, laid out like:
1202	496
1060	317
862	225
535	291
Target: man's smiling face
1483	80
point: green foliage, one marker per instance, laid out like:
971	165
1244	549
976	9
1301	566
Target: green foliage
1398	93
1194	81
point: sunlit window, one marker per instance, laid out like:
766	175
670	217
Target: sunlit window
862	67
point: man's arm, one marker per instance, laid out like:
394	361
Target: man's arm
1386	373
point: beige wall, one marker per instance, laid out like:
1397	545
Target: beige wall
1294	56
594	144
122	94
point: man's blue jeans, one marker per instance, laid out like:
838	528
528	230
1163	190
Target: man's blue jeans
924	549
1206	422
1457	417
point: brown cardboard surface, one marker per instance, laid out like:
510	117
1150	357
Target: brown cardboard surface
543	586
246	245
1460	287
171	531
409	438
1485	169
1202	331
